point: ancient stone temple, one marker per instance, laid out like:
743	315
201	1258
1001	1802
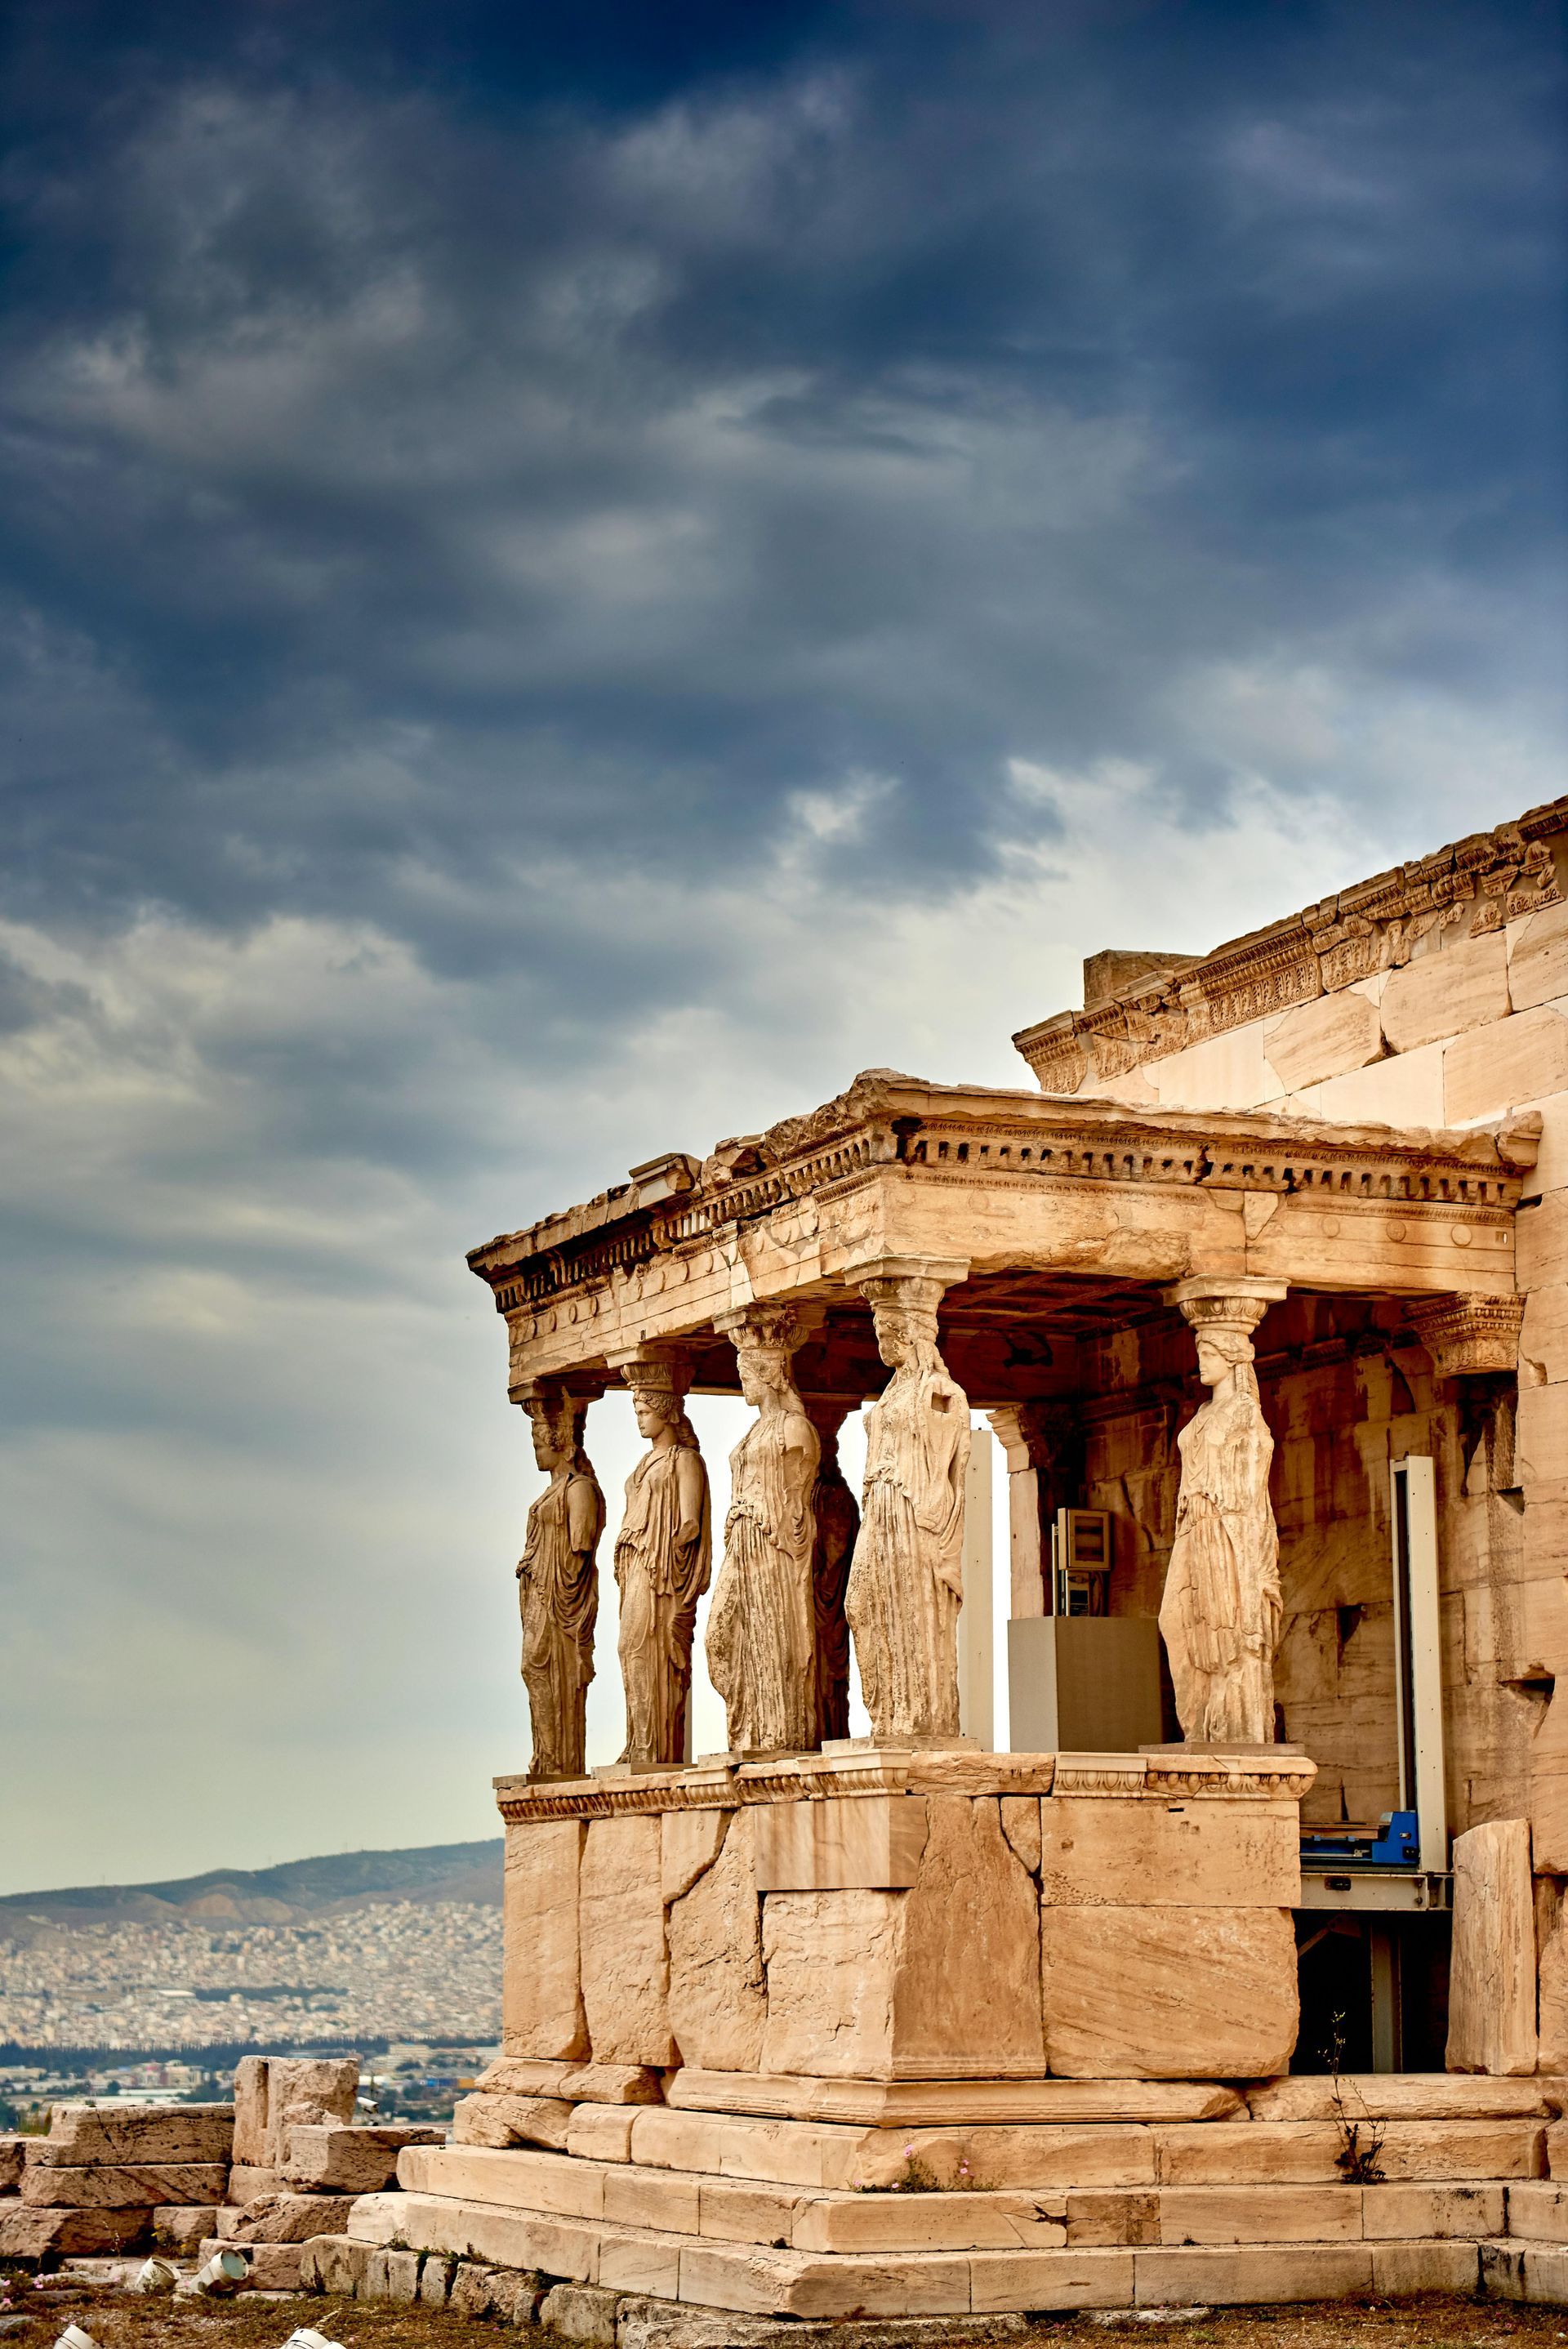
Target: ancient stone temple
1261	1285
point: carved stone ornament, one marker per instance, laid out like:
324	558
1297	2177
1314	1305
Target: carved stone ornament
837	1520
759	1629
1467	1335
558	1585
1220	1616
663	1557
906	1581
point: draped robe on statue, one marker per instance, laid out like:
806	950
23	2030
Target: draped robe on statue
659	1593
1220	1615
906	1579
760	1629
559	1591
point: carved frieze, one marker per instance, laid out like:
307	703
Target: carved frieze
1470	1336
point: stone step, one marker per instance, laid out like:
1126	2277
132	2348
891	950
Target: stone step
1406	2095
1521	2270
552	2185
902	2103
781	2280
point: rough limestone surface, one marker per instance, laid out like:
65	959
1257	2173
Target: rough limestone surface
597	2083
321	2157
1101	1850
966	1994
1021	1826
830	1959
333	2263
118	2186
247	2183
581	2314
274	2093
489	2117
717	1994
938	1982
249	2145
180	2226
1491	1978
624	1969
32	2234
286	2219
1168	1994
13	2159
81	2134
541	1995
688	1844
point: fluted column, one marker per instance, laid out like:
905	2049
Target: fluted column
1220	1615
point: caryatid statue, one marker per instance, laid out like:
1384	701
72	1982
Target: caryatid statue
906	1578
838	1521
760	1629
662	1556
558	1586
1220	1616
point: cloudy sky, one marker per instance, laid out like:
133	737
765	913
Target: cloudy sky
573	576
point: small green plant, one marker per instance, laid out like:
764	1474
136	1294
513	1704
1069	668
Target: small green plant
919	2178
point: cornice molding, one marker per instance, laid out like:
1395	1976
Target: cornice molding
1475	885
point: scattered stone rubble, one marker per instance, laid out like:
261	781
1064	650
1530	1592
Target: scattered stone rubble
280	2164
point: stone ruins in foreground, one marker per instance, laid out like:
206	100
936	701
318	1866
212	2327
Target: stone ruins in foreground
1263	1289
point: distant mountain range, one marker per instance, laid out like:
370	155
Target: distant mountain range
272	1895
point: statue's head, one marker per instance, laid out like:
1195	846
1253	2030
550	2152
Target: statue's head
553	1420
765	1344
904	1332
655	1398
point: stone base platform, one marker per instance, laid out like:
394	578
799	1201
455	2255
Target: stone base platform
1148	2205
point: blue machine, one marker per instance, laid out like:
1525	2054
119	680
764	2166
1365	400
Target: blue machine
1395	1842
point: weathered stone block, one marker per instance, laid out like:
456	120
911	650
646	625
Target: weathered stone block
1168	1992
541	1997
489	2119
1252	2275
329	2264
1053	2279
1393	2095
286	2219
867	1843
392	2275
522	2179
718	1995
1021	1826
181	2226
688	1843
1401	2270
275	2267
1099	1851
1260	2214
29	2233
1445	993
625	1967
601	2132
638	2264
1519	1060
597	2083
581	2313
324	2158
940	1982
436	2272
83	2134
118	2186
1491	1980
1283	2153
473	2294
1537	957
1323	1038
12	2160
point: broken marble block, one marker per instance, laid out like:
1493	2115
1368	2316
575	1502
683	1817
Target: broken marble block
322	2158
123	2132
274	2093
285	2219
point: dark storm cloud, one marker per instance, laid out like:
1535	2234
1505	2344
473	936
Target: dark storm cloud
435	466
571	575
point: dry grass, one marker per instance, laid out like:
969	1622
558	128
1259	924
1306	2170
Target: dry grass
118	2321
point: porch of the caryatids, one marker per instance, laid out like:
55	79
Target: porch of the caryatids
663	1559
759	1629
1220	1616
558	1582
906	1578
836	1521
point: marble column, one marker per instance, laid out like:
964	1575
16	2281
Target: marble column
558	1582
1220	1616
663	1558
1043	1446
759	1629
906	1579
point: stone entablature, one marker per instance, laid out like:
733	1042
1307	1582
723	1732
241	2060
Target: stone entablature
1471	889
896	1168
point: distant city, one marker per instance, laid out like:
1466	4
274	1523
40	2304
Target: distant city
156	1988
